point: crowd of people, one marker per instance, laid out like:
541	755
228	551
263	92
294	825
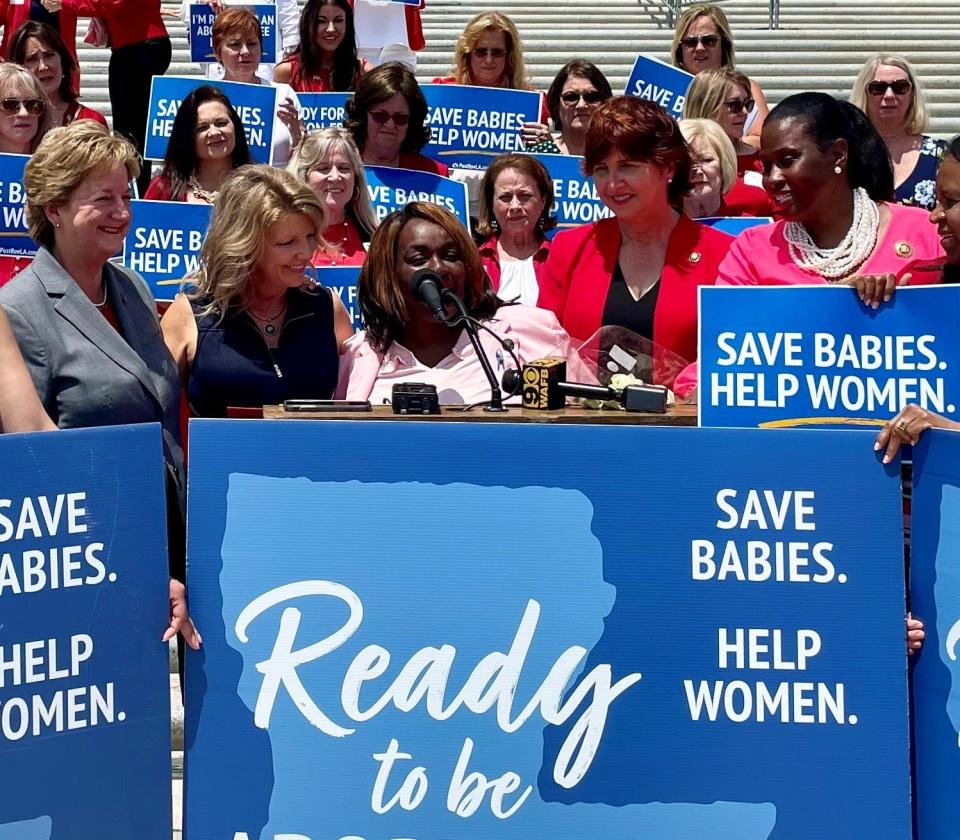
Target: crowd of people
856	191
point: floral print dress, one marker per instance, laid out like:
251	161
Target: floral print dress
919	188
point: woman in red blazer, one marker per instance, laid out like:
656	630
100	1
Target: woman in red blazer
641	269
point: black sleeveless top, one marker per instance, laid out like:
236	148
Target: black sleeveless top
233	366
621	309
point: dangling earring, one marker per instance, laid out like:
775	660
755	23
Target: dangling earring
837	170
356	193
495	225
540	224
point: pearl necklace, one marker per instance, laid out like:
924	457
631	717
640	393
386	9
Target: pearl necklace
338	251
835	263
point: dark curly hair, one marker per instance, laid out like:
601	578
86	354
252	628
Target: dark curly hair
378	86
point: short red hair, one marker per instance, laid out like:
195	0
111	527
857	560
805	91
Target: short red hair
640	130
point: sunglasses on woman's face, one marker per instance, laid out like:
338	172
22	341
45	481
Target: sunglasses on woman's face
493	52
691	42
735	106
383	117
34	107
572	97
900	87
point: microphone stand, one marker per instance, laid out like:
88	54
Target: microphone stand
496	397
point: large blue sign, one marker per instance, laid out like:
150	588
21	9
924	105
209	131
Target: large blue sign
84	684
399	647
800	355
659	82
342	281
391	189
472	125
15	240
322	110
201	30
935	597
163	243
255	104
575	197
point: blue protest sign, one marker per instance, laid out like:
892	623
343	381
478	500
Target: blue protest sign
801	355
163	243
15	241
659	82
342	281
322	110
201	30
389	666
575	197
407	2
734	225
935	597
84	684
391	188
472	125
255	104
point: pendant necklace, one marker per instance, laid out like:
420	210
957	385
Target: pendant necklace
267	322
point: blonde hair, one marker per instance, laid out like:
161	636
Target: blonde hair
317	146
708	90
716	138
514	71
11	73
65	158
917	120
251	199
715	13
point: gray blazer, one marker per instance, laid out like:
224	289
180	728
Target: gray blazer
85	373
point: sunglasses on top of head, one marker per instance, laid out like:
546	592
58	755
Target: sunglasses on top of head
692	41
900	87
10	105
570	97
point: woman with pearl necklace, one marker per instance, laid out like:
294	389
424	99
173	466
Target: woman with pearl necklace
829	177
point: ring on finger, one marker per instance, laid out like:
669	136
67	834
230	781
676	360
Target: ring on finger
902	427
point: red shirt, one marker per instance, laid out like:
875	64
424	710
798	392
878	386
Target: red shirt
127	21
749	163
490	257
159	190
746	200
303	82
576	280
76	111
412	160
347	246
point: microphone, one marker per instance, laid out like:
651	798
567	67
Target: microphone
426	285
545	389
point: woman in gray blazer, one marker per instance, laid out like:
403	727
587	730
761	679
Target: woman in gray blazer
88	329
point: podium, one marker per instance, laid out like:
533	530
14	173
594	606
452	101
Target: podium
679	415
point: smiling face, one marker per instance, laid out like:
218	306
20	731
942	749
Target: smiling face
44	62
288	245
333	180
215	136
517	202
331	27
946	215
424	244
888	110
575	115
732	122
631	188
705	53
240	55
798	176
96	217
488	58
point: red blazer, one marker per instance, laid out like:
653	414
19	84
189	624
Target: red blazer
577	276
415	39
490	257
746	200
128	21
12	16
